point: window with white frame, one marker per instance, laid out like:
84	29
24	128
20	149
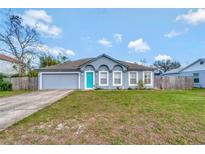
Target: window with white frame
103	75
196	77
117	78
147	77
133	78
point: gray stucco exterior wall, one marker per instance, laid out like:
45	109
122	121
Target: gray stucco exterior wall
105	64
125	79
103	61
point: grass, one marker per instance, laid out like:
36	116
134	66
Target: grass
11	93
116	117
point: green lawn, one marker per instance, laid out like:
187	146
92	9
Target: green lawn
11	93
116	117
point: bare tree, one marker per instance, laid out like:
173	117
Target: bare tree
18	40
166	65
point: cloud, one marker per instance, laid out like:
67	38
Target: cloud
139	46
55	51
43	22
39	15
193	18
69	52
174	33
163	57
117	37
105	42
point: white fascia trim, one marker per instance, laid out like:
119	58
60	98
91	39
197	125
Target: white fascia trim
100	84
113	79
136	78
85	79
40	81
41	75
151	84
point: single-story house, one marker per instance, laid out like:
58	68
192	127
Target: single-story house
100	72
6	65
195	70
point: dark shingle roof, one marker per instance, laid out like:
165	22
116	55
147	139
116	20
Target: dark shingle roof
75	66
134	66
70	65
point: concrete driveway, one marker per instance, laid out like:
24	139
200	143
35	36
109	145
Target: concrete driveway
15	108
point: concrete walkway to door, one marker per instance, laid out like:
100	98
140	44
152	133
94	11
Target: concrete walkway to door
15	108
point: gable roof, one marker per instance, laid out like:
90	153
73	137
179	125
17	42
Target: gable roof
104	55
174	71
77	64
201	59
7	58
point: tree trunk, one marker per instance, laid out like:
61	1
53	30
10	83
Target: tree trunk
21	70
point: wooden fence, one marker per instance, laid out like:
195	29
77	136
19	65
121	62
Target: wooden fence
24	83
173	82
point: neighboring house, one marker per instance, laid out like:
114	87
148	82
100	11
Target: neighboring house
195	70
101	72
174	72
6	65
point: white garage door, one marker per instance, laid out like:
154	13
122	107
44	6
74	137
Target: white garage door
60	81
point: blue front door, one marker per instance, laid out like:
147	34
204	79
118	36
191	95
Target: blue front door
89	80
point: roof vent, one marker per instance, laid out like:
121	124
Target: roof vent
201	62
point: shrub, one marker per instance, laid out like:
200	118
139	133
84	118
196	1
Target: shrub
15	75
141	84
129	88
33	73
2	76
5	85
118	88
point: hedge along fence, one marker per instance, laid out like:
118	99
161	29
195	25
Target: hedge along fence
23	83
173	82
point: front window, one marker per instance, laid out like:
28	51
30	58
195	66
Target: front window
117	78
196	77
133	78
103	78
147	77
